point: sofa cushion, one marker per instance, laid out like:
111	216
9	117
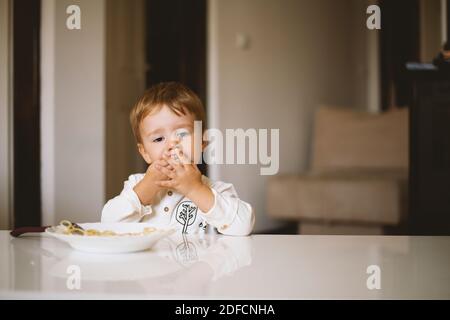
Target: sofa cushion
368	196
345	138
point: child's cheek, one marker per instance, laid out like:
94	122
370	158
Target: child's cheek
156	152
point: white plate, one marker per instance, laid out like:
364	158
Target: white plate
112	244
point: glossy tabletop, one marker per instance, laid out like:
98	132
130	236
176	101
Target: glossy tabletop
224	267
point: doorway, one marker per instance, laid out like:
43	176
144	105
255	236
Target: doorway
26	113
176	45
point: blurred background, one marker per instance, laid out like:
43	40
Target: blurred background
364	115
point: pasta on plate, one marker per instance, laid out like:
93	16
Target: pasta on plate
69	228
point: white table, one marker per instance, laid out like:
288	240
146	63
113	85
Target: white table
219	267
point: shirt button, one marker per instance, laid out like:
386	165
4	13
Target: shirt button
166	209
169	192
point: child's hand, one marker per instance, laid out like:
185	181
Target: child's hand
183	175
146	189
186	179
156	175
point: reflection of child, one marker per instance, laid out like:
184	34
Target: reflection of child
224	255
202	259
173	192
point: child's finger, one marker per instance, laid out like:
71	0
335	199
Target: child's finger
166	155
177	165
171	174
160	162
163	162
183	159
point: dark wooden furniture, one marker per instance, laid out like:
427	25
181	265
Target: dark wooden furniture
429	151
27	159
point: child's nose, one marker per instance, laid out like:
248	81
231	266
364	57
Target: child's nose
173	143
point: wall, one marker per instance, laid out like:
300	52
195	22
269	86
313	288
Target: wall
302	54
73	112
430	29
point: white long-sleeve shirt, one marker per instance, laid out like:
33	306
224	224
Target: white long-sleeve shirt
229	214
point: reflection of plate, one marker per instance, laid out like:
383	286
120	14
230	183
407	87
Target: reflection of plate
112	244
133	266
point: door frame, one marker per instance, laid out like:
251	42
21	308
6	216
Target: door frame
6	151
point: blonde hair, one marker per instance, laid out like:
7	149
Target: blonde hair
176	96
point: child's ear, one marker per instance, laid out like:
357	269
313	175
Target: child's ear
143	153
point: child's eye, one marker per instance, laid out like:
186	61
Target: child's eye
158	139
183	133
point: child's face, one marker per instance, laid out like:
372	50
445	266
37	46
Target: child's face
162	130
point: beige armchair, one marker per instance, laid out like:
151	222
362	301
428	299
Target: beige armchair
358	180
